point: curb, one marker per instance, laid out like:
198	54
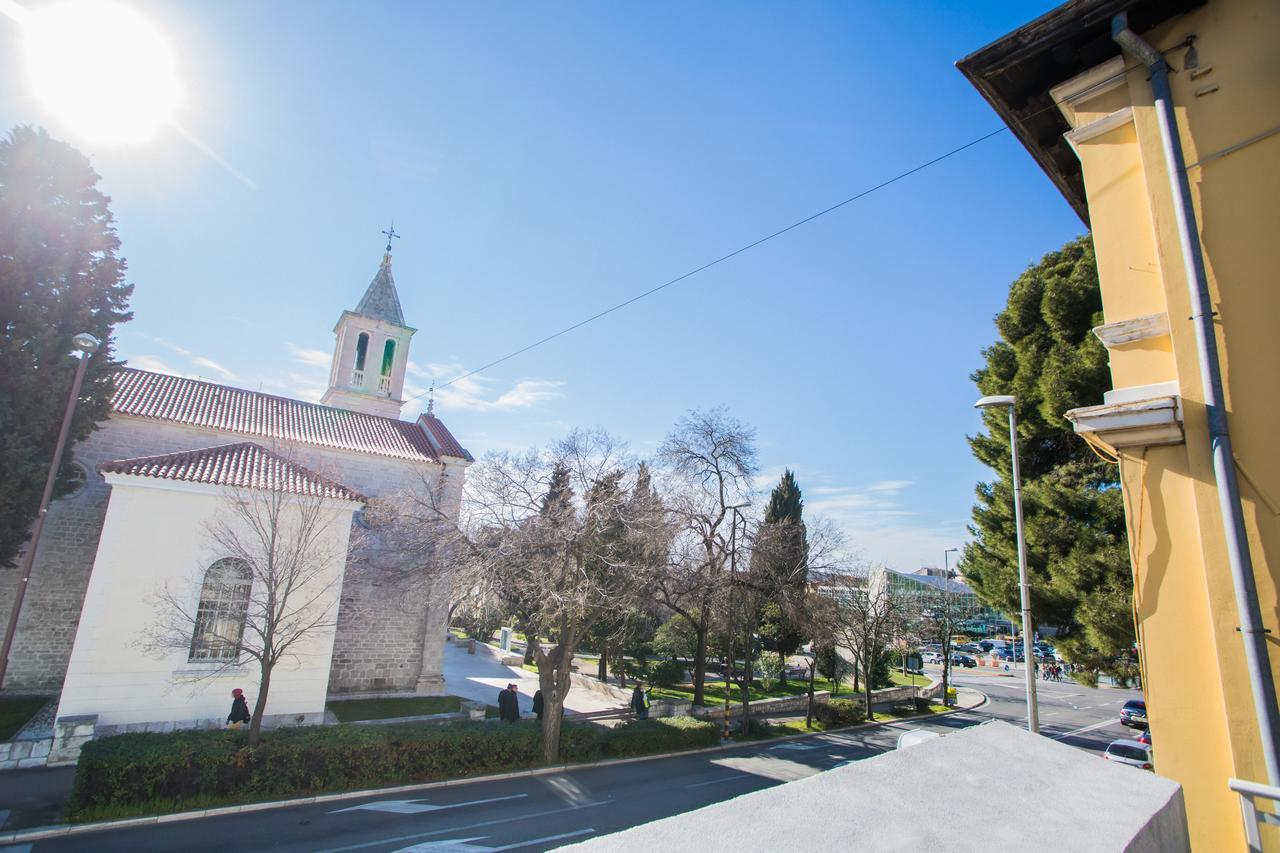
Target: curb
63	830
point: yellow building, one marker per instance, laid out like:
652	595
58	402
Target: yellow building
1091	113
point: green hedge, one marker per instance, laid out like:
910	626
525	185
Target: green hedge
155	773
666	734
841	712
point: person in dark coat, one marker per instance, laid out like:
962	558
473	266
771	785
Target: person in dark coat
537	704
640	702
239	710
509	704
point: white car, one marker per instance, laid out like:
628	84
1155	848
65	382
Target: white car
1129	752
933	657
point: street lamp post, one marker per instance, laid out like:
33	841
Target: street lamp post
85	346
1008	401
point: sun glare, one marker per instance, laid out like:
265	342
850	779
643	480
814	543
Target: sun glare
102	68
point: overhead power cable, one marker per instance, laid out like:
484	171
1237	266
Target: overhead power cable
749	246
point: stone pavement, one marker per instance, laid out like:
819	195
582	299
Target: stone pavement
482	675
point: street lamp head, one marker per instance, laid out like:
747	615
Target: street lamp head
993	402
86	343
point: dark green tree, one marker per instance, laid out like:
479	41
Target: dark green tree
59	275
1077	549
782	566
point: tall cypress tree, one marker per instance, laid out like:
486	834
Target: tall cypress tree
782	567
59	275
1077	549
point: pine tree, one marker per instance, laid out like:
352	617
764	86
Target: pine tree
782	567
59	275
1077	551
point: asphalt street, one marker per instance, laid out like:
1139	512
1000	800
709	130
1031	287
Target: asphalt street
543	812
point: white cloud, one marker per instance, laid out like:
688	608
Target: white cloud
878	519
198	360
148	362
310	357
456	390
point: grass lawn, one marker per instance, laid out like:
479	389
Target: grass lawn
908	679
14	714
900	712
714	693
349	710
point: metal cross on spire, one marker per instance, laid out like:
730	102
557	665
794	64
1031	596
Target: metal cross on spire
431	399
391	233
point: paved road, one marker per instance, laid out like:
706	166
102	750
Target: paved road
543	812
1083	717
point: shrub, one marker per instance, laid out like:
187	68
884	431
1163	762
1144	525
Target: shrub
667	673
841	712
667	734
152	773
770	667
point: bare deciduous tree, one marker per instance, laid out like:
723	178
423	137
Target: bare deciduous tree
866	613
277	584
936	616
709	460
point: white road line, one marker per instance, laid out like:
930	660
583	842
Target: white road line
418	806
718	781
464	845
1100	725
468	827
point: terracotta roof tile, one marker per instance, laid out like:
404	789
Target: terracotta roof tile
441	439
194	402
244	465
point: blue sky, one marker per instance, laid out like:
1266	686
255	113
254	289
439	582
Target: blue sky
546	161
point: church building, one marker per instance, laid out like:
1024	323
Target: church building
154	477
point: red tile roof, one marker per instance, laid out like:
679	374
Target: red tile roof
244	465
441	439
176	399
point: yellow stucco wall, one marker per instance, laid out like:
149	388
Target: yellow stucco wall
1198	694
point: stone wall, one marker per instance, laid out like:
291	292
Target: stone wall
388	629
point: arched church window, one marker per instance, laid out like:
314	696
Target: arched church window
362	349
388	356
224	603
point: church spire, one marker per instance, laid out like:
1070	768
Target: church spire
380	301
371	350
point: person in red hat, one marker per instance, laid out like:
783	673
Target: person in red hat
239	709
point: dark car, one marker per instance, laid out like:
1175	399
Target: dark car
963	660
1145	737
1134	714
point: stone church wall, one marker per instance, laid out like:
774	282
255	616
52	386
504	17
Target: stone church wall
384	625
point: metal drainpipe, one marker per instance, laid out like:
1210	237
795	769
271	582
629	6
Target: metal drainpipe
1241	563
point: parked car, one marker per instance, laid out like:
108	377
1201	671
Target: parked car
1145	737
933	657
972	648
1006	654
963	660
1134	714
1130	752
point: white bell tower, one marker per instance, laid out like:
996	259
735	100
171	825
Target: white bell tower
371	349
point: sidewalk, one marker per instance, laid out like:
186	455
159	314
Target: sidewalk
480	676
34	797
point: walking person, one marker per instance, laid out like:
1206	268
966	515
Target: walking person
509	704
640	702
538	704
239	710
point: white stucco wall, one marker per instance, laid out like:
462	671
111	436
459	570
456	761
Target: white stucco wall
155	534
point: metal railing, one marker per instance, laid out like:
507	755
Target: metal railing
1253	816
357	379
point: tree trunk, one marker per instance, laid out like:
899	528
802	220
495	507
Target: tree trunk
700	665
602	671
553	679
745	693
259	707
